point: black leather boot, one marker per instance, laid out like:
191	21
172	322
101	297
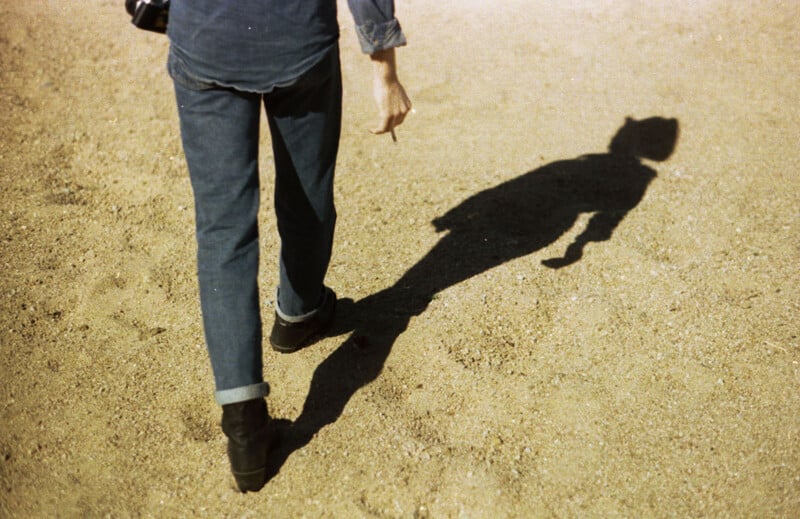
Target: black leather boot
289	337
246	424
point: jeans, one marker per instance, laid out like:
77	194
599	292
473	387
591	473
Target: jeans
220	134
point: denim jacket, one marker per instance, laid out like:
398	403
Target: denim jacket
257	45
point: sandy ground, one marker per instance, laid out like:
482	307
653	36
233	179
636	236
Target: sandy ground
655	376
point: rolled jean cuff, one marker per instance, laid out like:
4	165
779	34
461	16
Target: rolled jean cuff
297	318
241	394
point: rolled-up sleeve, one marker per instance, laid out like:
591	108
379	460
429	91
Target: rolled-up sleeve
376	26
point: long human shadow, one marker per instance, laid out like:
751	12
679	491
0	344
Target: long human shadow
508	221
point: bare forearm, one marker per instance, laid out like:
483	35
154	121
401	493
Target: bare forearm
390	96
384	65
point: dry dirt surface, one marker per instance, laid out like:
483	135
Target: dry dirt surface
649	369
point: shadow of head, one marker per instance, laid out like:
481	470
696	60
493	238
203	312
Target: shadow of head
653	138
541	204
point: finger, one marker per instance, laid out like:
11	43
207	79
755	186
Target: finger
402	113
384	126
395	120
390	121
399	118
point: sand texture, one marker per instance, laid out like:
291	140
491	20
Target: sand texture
528	327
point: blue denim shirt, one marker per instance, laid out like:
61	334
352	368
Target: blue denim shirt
257	45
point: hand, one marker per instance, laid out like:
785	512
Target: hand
390	96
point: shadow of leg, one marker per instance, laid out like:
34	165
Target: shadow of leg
354	364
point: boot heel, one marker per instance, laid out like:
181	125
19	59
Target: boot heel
246	424
252	481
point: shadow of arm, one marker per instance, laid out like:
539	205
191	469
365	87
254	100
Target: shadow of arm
600	228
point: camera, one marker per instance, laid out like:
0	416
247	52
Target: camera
150	15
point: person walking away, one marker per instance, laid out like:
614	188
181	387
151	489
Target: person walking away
226	60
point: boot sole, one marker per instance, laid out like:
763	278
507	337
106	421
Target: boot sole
252	481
